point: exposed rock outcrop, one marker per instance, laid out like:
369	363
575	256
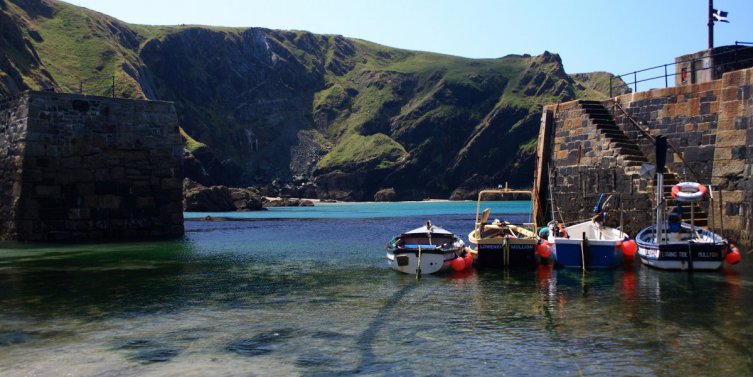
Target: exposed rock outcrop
385	195
199	198
288	202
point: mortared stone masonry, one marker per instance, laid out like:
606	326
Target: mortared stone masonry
78	168
711	124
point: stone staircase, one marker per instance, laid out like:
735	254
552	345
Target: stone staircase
628	152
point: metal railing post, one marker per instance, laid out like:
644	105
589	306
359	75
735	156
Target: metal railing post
610	86
635	82
666	80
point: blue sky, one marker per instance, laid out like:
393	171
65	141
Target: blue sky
589	35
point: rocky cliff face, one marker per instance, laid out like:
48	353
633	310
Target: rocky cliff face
303	114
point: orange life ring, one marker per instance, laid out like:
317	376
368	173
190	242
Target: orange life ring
689	191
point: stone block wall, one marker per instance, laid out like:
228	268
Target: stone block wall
13	114
577	141
711	124
582	166
92	168
687	115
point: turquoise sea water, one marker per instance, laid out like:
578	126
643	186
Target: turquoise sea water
374	210
307	291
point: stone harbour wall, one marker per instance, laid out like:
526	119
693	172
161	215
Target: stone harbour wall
13	114
687	115
581	165
710	124
90	168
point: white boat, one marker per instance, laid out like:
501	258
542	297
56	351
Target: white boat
670	244
690	247
427	250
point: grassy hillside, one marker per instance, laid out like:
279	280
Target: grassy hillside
294	111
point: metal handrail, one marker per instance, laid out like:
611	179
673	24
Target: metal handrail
78	87
666	75
648	135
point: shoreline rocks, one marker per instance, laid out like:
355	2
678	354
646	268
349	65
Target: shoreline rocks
287	202
385	195
199	198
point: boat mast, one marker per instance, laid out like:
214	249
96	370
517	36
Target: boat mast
661	159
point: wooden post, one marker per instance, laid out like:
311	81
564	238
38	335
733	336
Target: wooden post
543	154
584	253
418	266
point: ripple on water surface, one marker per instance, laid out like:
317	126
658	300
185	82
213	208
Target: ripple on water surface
315	297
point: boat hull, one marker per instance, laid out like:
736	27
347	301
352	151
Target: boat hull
599	254
506	252
706	253
436	246
432	261
603	248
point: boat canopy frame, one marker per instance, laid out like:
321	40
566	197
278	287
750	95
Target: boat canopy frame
503	191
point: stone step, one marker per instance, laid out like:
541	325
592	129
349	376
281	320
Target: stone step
592	105
595	110
608	125
626	146
612	132
602	119
640	159
630	152
615	137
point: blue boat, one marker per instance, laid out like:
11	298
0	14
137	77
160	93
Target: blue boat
588	245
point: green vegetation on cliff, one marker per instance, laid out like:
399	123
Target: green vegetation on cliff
357	149
344	116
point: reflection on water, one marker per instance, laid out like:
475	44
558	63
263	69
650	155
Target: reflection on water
315	297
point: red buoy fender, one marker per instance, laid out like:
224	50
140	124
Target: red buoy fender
543	249
733	255
689	191
468	260
629	247
458	264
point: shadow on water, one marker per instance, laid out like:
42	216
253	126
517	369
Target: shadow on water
148	351
365	341
92	280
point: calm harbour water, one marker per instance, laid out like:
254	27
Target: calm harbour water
307	291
